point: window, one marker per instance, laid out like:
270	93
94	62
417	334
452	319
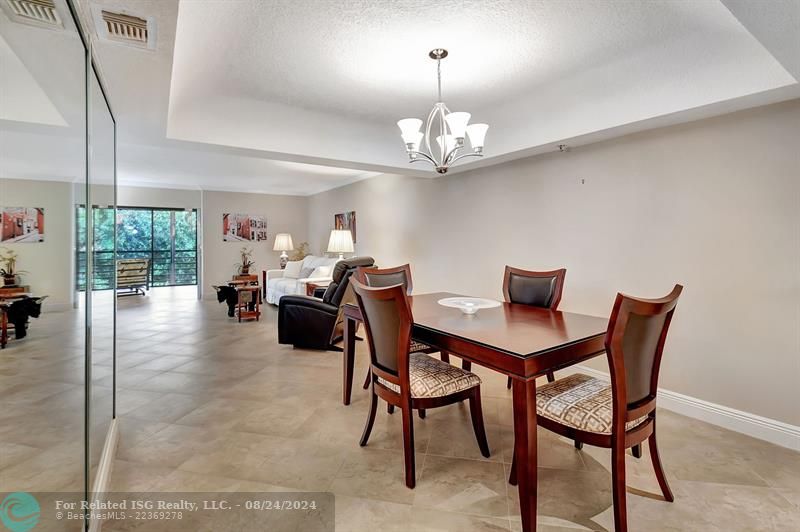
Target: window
168	237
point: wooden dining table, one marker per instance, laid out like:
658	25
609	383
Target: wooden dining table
517	340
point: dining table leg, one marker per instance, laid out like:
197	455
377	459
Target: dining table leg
524	400
348	358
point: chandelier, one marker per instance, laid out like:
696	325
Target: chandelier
449	130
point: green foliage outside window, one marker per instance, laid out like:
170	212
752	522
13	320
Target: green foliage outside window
167	237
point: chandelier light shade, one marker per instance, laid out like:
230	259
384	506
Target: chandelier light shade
449	129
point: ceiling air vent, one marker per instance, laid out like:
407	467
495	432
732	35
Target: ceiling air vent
125	28
36	11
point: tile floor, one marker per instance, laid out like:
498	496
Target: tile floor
208	404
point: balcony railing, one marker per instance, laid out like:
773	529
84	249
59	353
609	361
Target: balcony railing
147	233
165	269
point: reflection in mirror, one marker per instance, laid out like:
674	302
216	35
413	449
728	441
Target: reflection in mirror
42	181
103	279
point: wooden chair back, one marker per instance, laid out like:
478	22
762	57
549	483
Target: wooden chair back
387	319
637	330
538	289
383	277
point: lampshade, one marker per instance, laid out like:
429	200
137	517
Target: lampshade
283	242
341	241
409	126
451	143
457	122
477	133
413	139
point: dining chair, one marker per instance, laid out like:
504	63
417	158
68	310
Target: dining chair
409	380
398	275
537	289
383	277
622	414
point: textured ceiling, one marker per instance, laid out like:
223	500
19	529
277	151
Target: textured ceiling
300	96
330	79
320	55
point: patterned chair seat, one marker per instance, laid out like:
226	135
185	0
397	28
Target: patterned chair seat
581	402
418	347
433	378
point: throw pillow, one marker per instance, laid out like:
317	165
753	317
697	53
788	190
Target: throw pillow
292	270
321	271
305	273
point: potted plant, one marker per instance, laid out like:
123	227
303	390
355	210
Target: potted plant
301	252
247	261
8	259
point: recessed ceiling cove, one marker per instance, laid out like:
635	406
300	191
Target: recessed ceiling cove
329	80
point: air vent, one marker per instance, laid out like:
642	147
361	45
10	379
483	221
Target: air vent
126	28
37	11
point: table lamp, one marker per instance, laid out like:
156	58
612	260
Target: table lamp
341	242
283	243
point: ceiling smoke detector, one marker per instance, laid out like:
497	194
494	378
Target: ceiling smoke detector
126	29
37	12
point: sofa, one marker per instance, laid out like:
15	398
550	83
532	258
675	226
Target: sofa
312	323
293	279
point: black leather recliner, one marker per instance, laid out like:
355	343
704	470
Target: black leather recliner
312	323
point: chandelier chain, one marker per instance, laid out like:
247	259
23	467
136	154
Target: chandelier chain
439	77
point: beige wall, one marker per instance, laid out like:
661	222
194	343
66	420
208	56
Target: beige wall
714	205
50	264
158	197
285	214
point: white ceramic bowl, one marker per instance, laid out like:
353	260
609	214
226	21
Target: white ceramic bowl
468	305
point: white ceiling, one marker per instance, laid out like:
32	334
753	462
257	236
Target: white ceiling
299	96
370	59
24	100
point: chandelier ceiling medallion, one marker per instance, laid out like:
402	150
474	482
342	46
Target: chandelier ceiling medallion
448	129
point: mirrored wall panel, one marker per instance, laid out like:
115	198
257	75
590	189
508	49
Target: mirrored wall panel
101	214
57	328
42	179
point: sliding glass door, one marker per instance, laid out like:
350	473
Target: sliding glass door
167	237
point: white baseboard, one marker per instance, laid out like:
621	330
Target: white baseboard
102	479
760	427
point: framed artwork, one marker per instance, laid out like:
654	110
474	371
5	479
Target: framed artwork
346	220
243	227
22	224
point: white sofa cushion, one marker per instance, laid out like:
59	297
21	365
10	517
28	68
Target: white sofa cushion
314	262
293	268
280	284
322	271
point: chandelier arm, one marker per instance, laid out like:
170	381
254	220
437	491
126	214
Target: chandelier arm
422	161
464	155
443	128
452	155
425	157
428	124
